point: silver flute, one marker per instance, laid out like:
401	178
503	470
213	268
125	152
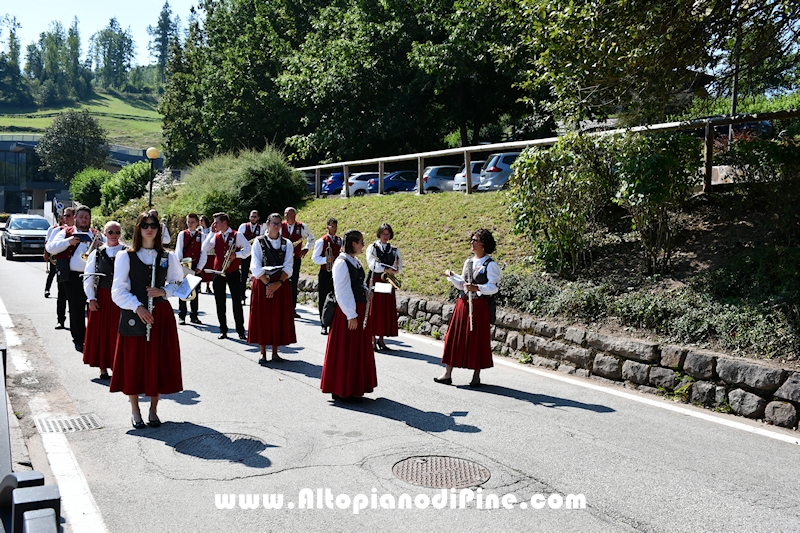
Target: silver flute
469	294
369	300
150	298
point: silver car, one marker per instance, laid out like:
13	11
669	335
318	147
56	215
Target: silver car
437	179
497	170
460	180
23	235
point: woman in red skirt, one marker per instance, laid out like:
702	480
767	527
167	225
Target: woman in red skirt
103	326
271	305
349	368
468	340
383	258
148	357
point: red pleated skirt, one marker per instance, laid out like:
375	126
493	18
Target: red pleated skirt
150	368
383	313
464	348
271	319
349	368
102	330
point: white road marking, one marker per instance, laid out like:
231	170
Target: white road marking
78	504
661	404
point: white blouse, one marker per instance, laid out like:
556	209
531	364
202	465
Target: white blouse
257	264
341	285
374	263
121	289
90	282
493	273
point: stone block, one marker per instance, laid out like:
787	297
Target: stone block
531	342
703	392
435	320
720	396
739	372
434	307
402	304
746	403
580	356
499	334
649	390
422	305
575	335
422	315
566	369
663	377
544	362
526	324
509	320
672	357
781	414
607	366
543	329
790	390
496	346
635	372
642	351
700	364
447	312
504	350
513	340
413	306
582	372
424	328
403	321
443	330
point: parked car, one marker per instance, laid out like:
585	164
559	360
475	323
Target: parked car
311	182
333	185
437	179
495	173
23	234
761	128
460	180
359	183
402	180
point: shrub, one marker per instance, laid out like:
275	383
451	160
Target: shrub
129	183
85	186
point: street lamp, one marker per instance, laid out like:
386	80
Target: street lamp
152	155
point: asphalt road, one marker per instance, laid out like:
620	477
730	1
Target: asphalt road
240	429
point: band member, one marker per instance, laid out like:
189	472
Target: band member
382	258
221	242
190	245
271	313
69	249
467	343
51	269
165	237
103	324
61	301
205	225
296	231
250	230
148	356
326	250
349	368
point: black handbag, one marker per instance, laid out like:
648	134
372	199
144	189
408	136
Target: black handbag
62	270
328	310
130	325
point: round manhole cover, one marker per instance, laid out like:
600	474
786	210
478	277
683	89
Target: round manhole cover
440	472
221	446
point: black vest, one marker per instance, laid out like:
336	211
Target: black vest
388	257
357	277
271	256
481	278
105	265
141	276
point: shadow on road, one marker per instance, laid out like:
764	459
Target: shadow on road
185	397
209	444
430	421
538	399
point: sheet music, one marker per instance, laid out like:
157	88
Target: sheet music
188	284
383	288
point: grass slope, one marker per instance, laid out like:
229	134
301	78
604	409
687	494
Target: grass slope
432	231
129	121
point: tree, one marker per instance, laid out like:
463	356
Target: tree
73	142
129	183
113	51
165	30
86	185
13	90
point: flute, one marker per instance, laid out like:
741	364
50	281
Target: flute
369	300
469	295
150	298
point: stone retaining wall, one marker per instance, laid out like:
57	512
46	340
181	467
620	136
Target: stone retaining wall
717	381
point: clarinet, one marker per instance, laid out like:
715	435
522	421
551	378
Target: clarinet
469	294
369	300
150	298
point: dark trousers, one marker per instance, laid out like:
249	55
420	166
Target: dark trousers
77	306
234	282
195	304
245	272
295	278
325	286
61	302
50	275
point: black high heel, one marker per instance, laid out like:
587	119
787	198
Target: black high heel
138	425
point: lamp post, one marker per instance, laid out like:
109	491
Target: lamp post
152	155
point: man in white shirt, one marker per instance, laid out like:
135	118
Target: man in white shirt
51	270
250	230
296	232
221	241
190	244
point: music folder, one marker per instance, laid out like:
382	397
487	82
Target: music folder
188	284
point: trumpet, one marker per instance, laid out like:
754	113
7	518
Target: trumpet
95	237
329	257
227	260
186	263
298	242
388	277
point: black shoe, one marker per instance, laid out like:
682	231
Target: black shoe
296	315
195	320
243	336
262	361
222	336
209	291
153	423
324	331
444	381
79	347
475	383
60	325
104	376
47	294
138	425
182	322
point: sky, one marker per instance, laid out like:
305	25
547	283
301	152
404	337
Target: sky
35	17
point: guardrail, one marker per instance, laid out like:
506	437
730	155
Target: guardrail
706	124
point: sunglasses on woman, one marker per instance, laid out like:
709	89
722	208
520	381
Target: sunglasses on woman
112	232
149	225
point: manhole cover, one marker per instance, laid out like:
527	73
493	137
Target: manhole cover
440	472
67	425
221	446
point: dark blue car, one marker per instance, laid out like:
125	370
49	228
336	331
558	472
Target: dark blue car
333	185
402	180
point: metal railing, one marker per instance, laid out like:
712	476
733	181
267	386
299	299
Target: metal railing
706	124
